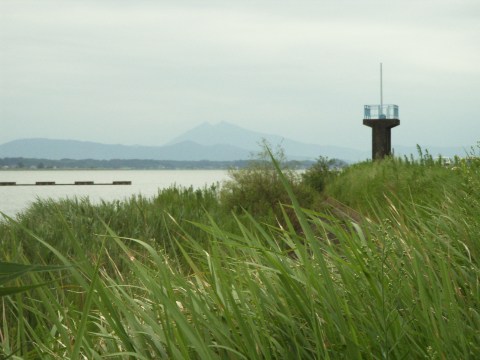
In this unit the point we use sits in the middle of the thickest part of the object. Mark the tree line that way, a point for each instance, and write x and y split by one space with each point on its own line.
32 163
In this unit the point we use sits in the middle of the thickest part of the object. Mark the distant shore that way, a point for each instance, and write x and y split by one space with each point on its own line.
15 164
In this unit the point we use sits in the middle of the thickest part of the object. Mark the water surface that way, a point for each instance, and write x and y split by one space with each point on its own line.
14 199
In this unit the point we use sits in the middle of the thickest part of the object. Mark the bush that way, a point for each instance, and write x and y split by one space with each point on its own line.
322 172
257 187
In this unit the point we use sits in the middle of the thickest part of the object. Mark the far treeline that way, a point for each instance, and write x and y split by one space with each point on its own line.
139 164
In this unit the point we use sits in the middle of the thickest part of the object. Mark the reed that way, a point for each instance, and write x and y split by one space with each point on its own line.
400 281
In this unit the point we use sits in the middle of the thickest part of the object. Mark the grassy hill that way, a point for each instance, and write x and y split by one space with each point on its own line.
381 261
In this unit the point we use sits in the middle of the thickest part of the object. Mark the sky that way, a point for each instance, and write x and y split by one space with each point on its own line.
143 72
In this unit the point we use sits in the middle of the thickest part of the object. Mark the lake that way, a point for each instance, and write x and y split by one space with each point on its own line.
14 199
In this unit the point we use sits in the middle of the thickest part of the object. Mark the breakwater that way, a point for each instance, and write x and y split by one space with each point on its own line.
53 183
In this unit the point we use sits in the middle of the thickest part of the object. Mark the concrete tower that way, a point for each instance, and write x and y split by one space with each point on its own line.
381 118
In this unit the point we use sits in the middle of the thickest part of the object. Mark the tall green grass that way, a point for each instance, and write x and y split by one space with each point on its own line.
399 282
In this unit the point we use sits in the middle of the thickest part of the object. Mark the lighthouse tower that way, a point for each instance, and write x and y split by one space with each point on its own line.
381 118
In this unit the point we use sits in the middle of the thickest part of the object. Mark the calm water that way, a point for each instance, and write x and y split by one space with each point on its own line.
14 199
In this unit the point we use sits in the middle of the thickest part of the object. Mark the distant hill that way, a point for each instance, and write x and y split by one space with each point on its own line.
72 149
214 142
219 142
226 133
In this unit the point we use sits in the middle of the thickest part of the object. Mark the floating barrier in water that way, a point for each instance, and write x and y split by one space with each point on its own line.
50 183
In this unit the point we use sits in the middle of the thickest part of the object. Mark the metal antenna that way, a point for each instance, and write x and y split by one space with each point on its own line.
381 87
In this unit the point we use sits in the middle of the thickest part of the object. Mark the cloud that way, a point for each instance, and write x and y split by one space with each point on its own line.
143 71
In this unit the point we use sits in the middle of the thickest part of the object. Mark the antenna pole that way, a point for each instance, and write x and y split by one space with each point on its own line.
381 87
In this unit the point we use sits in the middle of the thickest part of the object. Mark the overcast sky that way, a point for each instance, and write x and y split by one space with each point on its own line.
143 72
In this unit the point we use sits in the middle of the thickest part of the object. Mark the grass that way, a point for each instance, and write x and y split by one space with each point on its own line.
179 277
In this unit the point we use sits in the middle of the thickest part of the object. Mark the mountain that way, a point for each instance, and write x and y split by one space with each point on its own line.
215 142
72 149
225 133
219 142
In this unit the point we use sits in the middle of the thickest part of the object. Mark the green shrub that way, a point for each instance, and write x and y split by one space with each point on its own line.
258 190
321 173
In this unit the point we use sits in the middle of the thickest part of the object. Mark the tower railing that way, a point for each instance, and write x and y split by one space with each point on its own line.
387 111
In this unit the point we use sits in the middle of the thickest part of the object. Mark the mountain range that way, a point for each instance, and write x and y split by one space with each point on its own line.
214 142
